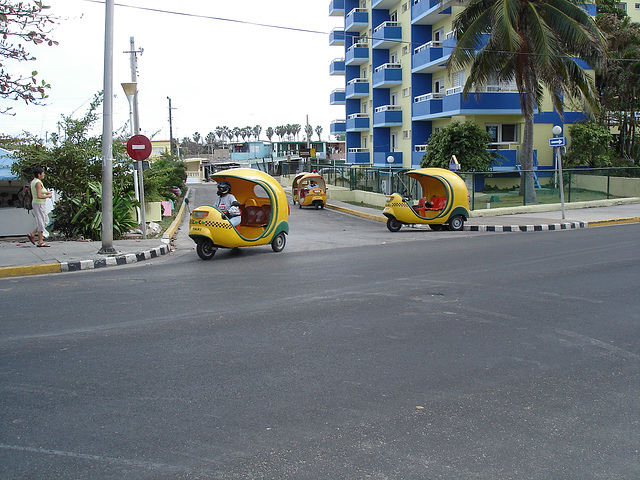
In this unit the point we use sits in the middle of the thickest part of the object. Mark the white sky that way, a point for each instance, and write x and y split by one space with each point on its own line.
217 73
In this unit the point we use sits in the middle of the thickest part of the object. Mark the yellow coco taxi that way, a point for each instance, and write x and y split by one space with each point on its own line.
444 202
264 215
309 189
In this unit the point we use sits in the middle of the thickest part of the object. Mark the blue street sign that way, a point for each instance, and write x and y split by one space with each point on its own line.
557 141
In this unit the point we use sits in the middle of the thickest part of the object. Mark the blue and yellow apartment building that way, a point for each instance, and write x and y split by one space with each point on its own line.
397 91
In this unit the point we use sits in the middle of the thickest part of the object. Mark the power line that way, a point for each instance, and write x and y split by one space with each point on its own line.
209 17
317 32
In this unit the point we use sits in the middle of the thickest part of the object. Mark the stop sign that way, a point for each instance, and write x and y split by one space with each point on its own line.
139 147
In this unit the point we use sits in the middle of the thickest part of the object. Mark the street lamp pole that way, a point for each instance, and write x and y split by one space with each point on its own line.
557 130
390 160
133 91
107 135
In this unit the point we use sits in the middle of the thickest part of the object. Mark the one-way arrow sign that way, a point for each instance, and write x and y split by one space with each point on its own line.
557 141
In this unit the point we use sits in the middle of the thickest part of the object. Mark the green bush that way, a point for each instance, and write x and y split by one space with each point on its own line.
81 214
590 146
467 141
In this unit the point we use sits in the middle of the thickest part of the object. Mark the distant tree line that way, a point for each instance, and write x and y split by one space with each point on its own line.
199 145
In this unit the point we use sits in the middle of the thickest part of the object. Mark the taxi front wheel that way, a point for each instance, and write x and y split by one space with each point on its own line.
206 249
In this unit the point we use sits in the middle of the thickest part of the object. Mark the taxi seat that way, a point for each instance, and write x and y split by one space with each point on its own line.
437 203
255 216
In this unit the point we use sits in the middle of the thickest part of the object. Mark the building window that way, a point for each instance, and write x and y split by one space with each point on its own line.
438 85
637 6
406 92
503 132
406 134
405 7
394 16
622 6
405 50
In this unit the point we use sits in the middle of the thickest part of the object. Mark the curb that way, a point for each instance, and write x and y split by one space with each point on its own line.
613 221
369 216
526 228
114 260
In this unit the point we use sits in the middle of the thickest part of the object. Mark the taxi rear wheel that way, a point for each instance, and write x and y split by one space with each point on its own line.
456 223
394 225
206 250
278 242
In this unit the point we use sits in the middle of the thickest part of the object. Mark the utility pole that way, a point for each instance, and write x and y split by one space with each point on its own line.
136 131
107 135
170 129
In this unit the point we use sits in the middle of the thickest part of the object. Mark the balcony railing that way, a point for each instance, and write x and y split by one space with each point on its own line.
428 96
387 65
386 108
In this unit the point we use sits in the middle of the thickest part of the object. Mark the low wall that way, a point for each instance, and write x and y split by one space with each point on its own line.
618 186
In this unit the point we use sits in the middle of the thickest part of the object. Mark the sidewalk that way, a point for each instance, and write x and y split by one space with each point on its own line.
19 257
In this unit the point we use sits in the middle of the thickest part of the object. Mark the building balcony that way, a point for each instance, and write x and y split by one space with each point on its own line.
388 116
356 21
337 67
358 122
427 105
491 100
383 4
337 97
357 54
336 37
380 159
417 154
358 156
336 8
357 88
387 75
432 56
429 12
386 35
338 127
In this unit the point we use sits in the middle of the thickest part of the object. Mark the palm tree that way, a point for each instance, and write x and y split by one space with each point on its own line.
235 132
295 129
318 132
270 133
220 133
256 132
308 130
280 131
533 42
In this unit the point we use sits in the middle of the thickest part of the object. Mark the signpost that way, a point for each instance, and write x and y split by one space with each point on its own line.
139 149
557 142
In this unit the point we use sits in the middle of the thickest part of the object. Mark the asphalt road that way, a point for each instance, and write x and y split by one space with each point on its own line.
424 356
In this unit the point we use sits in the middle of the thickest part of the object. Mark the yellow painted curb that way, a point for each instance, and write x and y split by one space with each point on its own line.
171 231
613 221
29 270
369 216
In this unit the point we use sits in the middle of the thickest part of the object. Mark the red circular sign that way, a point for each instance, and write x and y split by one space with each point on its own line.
139 147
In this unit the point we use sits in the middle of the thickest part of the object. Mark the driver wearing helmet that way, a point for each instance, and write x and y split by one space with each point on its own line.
228 204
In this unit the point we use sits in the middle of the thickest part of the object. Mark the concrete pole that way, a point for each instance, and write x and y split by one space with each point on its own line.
136 131
171 149
107 135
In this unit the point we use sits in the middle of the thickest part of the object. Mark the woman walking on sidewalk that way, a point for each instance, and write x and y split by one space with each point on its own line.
40 195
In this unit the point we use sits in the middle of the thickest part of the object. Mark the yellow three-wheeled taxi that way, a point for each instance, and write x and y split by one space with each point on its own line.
309 189
444 202
264 215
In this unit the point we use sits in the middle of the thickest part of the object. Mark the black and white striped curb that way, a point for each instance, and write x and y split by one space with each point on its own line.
526 228
123 259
